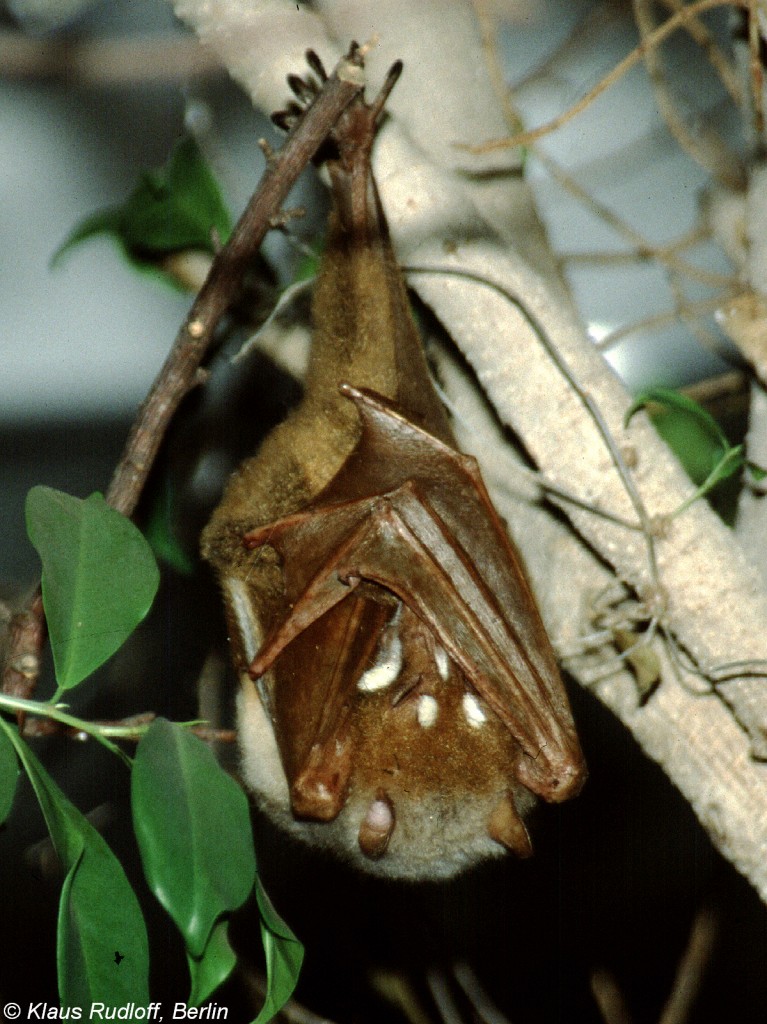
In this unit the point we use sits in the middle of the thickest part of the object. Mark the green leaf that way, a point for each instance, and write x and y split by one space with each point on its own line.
102 222
98 911
99 578
669 398
175 208
688 429
213 967
193 828
284 957
93 937
9 773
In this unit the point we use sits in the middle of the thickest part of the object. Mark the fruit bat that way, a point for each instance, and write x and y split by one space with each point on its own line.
400 702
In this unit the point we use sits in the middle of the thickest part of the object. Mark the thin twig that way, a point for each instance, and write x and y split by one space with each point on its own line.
716 56
665 254
129 729
703 307
676 21
757 71
630 656
712 676
482 1004
703 146
597 23
607 258
443 1000
488 29
724 387
58 712
548 487
703 334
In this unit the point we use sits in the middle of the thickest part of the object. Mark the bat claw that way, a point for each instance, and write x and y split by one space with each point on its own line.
307 88
315 63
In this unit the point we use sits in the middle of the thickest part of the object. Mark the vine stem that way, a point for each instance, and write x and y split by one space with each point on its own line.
101 733
678 20
132 728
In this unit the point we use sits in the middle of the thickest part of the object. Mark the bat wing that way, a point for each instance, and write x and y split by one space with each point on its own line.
435 542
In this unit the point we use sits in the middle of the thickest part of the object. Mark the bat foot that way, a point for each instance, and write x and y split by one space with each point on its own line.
306 88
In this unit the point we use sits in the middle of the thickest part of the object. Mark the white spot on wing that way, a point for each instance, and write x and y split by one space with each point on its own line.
442 662
387 666
427 712
385 670
475 716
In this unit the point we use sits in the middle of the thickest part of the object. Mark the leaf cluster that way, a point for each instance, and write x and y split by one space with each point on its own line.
191 819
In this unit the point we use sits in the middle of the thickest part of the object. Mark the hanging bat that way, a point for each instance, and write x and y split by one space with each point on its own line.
400 700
